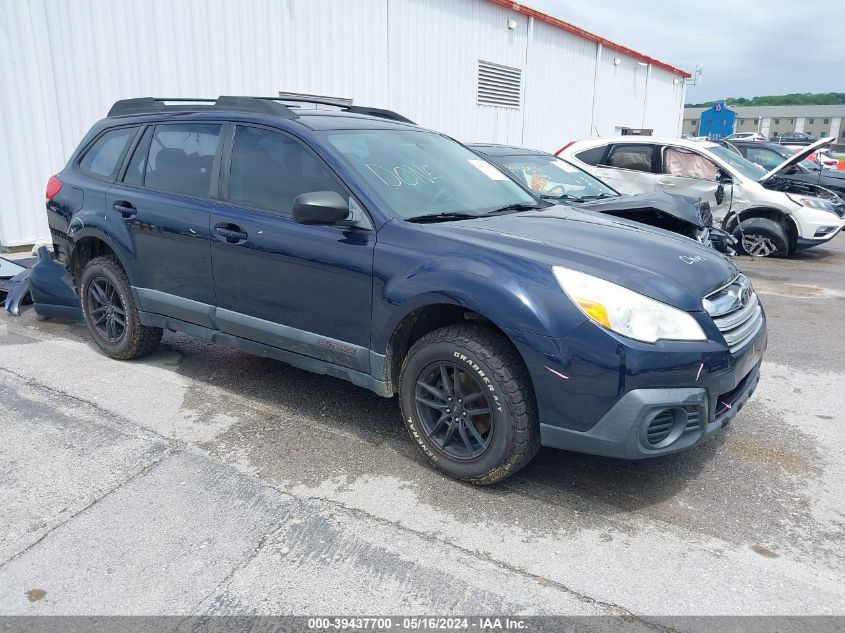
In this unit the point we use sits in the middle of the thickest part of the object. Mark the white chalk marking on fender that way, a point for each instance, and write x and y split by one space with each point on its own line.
556 373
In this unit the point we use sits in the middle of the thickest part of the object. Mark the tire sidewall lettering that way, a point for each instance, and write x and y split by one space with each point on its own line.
482 376
420 440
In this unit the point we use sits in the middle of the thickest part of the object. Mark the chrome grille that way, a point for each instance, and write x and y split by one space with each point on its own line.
736 311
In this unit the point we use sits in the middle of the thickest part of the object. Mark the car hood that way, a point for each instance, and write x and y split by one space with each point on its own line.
797 158
686 208
662 265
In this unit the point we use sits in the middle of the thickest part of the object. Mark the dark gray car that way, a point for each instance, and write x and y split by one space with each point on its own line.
770 155
794 138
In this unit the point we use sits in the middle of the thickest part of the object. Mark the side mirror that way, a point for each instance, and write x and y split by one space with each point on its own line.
724 179
320 207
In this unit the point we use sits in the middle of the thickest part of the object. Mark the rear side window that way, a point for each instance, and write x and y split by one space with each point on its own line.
591 156
181 158
104 157
138 163
269 170
636 157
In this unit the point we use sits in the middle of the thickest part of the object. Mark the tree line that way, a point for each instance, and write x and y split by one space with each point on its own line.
796 98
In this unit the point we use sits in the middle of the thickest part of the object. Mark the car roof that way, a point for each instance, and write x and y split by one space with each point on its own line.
495 149
339 120
742 143
644 140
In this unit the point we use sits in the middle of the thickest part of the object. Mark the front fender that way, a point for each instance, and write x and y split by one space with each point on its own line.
511 298
729 222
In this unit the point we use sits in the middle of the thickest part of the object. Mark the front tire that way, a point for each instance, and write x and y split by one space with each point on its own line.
110 313
762 237
468 403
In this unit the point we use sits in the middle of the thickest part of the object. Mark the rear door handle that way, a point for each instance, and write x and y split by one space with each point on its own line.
126 209
231 232
665 183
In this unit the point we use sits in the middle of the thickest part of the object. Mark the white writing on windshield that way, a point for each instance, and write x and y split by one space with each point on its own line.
410 174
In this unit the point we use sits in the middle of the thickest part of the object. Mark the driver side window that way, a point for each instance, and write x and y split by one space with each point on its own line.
269 170
688 164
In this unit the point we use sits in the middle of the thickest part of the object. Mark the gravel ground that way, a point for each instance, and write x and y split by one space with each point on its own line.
201 480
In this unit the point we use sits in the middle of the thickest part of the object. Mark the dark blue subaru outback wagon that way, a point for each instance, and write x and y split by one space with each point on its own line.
353 243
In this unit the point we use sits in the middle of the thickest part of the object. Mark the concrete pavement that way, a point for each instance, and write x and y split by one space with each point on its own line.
201 480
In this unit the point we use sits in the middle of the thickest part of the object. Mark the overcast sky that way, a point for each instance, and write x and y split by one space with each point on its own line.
747 47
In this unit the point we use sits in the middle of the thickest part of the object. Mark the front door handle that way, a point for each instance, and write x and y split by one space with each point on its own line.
231 232
126 209
665 183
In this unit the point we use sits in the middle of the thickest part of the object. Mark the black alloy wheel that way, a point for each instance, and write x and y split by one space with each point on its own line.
108 314
454 411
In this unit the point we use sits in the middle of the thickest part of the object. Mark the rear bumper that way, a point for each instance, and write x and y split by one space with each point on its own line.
623 431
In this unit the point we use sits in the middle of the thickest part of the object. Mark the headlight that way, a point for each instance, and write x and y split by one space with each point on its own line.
627 312
810 201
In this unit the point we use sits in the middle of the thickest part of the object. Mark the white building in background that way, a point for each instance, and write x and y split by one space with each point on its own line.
478 70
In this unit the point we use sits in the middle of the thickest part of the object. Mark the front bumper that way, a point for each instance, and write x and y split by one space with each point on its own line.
623 431
599 393
810 221
805 242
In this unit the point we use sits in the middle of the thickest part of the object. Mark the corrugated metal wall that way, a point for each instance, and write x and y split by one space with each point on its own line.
62 64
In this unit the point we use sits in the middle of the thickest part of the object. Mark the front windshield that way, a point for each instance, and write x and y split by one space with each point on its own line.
742 165
554 179
769 158
418 173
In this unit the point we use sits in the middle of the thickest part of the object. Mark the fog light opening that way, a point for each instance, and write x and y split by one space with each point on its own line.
665 427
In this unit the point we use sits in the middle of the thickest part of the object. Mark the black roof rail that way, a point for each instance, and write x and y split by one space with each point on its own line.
379 112
154 105
343 104
340 102
258 105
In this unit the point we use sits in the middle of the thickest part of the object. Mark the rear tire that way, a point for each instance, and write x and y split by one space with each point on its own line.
110 312
762 238
459 372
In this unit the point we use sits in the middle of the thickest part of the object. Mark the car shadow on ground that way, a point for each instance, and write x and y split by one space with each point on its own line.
341 406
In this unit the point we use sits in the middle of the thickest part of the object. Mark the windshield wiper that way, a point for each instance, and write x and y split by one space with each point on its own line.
563 196
445 216
517 206
600 196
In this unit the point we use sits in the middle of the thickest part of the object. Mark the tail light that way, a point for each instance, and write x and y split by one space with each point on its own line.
54 186
557 153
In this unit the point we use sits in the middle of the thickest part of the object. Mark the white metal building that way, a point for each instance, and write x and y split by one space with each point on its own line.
479 70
